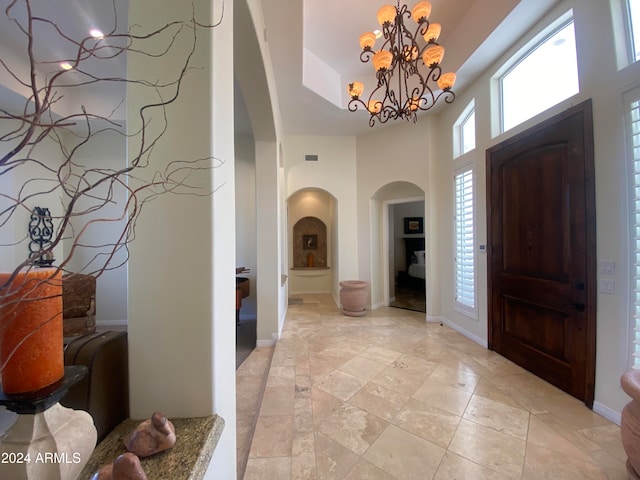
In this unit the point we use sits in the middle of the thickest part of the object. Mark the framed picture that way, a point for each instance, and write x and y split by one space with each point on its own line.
413 225
309 242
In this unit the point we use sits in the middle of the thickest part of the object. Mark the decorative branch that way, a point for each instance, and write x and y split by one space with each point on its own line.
85 193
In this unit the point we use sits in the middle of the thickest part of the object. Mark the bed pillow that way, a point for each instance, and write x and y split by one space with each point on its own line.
420 256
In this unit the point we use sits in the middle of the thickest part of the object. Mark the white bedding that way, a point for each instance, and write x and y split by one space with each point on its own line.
416 270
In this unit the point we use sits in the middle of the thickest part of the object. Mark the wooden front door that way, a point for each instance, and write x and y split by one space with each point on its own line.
541 251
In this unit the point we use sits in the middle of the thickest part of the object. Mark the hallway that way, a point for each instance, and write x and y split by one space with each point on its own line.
387 397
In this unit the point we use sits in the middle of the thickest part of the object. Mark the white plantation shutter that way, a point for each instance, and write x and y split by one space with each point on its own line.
634 227
464 240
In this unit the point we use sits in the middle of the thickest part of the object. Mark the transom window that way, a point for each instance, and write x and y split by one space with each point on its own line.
543 76
633 19
464 131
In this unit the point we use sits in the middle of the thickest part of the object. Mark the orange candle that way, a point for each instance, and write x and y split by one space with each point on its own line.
31 343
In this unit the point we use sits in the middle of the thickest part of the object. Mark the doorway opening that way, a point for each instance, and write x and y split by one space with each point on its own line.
407 259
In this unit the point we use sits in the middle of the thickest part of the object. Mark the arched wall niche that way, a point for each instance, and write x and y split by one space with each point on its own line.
312 228
309 243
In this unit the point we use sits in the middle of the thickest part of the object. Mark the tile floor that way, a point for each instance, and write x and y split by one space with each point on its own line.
389 397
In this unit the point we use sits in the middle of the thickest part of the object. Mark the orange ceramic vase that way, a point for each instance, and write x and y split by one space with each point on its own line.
31 342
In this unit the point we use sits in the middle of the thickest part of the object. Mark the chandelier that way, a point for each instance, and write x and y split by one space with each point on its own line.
407 66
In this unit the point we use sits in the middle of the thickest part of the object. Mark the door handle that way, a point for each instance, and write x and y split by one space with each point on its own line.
579 307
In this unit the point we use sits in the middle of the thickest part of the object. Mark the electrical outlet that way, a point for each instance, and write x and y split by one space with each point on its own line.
607 285
608 267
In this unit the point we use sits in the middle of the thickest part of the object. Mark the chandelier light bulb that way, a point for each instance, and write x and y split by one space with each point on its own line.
382 60
447 81
355 89
433 33
433 56
387 14
421 11
367 40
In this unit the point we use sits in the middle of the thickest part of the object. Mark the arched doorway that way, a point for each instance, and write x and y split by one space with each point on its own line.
399 246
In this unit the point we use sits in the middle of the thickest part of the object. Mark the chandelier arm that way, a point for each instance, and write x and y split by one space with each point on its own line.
366 55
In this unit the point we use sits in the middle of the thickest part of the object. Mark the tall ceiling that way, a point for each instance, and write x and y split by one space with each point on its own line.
313 48
315 42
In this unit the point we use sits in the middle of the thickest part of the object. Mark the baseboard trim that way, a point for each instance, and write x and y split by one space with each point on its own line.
607 413
470 335
268 343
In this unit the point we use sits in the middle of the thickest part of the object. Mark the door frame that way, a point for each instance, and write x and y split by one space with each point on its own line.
583 109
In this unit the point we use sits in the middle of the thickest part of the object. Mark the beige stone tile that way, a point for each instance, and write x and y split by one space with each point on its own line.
456 467
615 468
352 427
257 363
281 376
381 355
277 401
542 463
303 456
364 470
528 384
379 400
272 437
405 375
572 411
323 404
444 397
428 422
333 461
489 448
608 438
341 385
489 390
272 468
404 455
303 415
362 367
572 435
461 378
543 435
498 416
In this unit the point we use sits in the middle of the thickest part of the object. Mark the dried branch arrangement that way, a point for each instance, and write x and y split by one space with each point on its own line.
46 139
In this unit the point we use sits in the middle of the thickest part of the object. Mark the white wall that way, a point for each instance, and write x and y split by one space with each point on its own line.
106 149
14 238
392 164
334 172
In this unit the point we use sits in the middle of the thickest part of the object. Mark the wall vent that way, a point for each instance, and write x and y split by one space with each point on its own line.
311 158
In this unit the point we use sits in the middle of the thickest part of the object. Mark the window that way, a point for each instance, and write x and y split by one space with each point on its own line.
545 75
633 136
464 131
464 241
633 22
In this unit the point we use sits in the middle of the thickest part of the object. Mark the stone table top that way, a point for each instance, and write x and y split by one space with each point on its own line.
196 439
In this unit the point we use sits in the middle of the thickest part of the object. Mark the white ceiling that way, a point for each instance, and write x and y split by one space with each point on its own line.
326 30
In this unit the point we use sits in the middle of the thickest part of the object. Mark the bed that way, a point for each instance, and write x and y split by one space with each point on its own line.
414 275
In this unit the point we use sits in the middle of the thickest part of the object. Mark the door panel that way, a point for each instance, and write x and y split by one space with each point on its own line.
541 235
